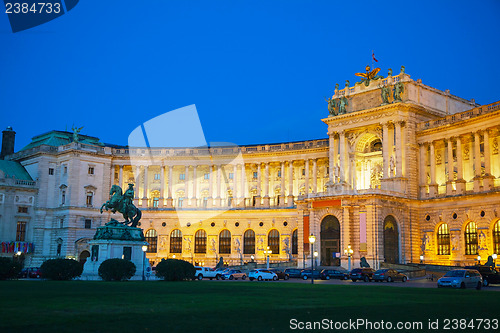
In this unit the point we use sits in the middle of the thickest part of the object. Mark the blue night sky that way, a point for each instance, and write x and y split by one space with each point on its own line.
256 70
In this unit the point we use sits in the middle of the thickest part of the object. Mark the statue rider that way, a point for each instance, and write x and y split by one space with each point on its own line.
128 198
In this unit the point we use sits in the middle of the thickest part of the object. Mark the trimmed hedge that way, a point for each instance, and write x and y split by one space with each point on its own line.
61 269
116 270
175 270
9 269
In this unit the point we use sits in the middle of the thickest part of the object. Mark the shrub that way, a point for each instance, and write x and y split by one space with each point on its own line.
61 269
175 270
116 270
9 269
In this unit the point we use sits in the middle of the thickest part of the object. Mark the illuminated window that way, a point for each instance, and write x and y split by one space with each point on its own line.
152 238
249 242
200 241
295 242
182 176
471 238
91 170
21 232
176 241
225 242
443 239
273 241
496 238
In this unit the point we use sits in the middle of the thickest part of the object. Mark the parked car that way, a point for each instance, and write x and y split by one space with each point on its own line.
234 274
293 272
205 272
30 272
365 274
220 271
461 278
307 273
328 274
281 274
262 274
389 275
489 274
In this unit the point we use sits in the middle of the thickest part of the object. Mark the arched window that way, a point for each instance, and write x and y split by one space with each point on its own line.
152 238
496 238
225 242
200 241
273 241
443 239
249 242
471 238
176 241
295 242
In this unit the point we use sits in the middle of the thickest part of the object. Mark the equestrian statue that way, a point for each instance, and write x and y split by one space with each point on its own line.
123 203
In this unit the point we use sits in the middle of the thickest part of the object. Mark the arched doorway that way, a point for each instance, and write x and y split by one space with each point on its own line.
330 241
391 240
83 256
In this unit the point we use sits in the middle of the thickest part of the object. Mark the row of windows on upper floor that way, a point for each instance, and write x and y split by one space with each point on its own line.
90 170
200 241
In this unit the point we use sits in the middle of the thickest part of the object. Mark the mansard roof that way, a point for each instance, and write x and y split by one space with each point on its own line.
60 138
12 169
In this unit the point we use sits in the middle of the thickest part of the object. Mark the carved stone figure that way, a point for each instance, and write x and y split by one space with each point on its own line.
399 89
385 93
123 204
490 262
347 83
332 106
483 245
454 243
187 239
389 72
363 262
220 264
392 165
402 69
369 75
343 102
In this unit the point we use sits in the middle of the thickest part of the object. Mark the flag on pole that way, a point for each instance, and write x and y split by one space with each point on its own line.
373 57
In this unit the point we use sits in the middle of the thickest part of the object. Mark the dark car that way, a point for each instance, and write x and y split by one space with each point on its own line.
389 275
365 274
281 275
307 273
30 272
293 272
489 274
328 274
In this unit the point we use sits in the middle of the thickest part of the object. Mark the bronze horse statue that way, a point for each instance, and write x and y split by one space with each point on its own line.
123 203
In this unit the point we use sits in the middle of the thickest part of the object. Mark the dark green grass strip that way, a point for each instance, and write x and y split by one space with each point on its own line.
77 306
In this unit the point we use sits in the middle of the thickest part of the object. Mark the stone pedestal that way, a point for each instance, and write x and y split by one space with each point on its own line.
433 190
488 182
266 202
289 200
460 183
115 240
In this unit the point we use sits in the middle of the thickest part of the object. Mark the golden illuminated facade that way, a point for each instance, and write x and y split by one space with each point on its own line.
403 174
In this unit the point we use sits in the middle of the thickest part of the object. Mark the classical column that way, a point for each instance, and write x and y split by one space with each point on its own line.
399 149
290 184
306 177
315 176
258 182
210 186
162 186
488 180
282 186
170 187
145 191
120 176
243 187
477 154
235 183
218 189
186 185
137 183
449 183
433 187
194 197
423 163
331 157
266 185
385 149
460 176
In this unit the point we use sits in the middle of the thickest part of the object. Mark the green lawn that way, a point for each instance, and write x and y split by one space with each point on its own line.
78 306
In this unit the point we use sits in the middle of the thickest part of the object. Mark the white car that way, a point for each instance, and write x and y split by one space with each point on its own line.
205 272
262 274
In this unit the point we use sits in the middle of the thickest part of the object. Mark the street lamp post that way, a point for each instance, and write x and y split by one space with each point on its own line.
479 260
268 252
312 239
144 249
349 253
421 259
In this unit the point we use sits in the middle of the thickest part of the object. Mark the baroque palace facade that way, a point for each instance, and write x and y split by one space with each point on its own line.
406 171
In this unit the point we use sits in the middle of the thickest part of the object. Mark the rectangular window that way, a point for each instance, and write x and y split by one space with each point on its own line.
127 253
231 175
22 209
91 170
182 176
61 223
255 175
205 202
90 197
157 176
51 171
279 173
88 224
206 176
303 172
21 232
180 202
63 197
229 201
65 169
156 202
